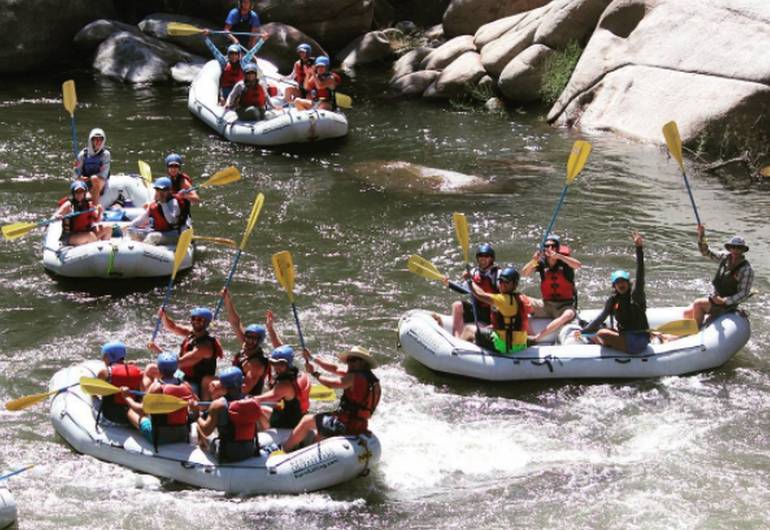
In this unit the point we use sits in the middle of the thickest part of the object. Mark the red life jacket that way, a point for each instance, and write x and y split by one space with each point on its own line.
486 280
242 416
323 92
359 402
253 97
231 74
159 221
81 223
182 391
204 367
178 184
122 374
299 71
302 386
554 283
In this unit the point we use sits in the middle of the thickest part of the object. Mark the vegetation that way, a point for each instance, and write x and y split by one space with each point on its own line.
557 71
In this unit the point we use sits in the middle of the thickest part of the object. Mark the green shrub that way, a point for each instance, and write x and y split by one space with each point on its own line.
557 71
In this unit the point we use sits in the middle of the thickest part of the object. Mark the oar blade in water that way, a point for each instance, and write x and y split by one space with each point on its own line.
424 268
27 401
577 159
225 242
16 230
343 100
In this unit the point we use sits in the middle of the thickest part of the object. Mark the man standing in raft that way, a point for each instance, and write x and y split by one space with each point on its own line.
243 19
731 283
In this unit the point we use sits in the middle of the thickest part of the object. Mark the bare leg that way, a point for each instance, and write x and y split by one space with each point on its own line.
205 392
97 185
700 309
305 425
203 442
556 324
612 339
458 323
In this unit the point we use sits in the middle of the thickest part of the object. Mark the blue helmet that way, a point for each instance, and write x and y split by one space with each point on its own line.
509 274
163 183
485 249
78 185
553 237
304 47
251 67
255 329
173 158
322 61
114 351
620 274
283 353
203 312
233 48
167 363
231 377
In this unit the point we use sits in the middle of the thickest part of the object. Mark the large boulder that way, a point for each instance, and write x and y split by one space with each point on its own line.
520 81
464 17
409 62
569 20
652 61
373 47
156 25
40 32
464 73
448 52
413 84
93 34
139 58
280 48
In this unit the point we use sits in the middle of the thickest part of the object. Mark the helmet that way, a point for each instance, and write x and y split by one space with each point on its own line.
322 60
553 237
304 47
78 185
114 351
620 274
485 249
251 67
737 241
163 183
231 377
95 133
173 158
509 274
234 48
167 363
283 353
203 312
255 329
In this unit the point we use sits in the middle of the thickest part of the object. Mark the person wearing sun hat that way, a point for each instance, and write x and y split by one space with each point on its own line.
731 283
360 396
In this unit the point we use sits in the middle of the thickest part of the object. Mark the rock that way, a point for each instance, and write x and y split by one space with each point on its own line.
448 52
40 32
434 33
409 62
133 58
464 72
155 25
281 46
569 20
186 72
93 34
413 84
494 30
520 81
499 52
372 47
486 83
651 61
398 175
407 27
464 17
494 105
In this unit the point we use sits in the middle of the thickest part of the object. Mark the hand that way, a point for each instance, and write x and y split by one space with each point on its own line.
637 238
206 32
269 319
717 300
701 231
153 347
536 255
549 252
445 281
306 354
265 35
225 293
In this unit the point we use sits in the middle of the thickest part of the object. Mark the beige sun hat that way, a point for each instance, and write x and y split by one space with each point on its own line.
361 353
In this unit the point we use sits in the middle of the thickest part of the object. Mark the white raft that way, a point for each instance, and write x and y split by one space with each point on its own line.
435 347
321 465
120 257
291 126
7 506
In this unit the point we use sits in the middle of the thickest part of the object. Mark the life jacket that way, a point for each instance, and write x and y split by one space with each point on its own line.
92 164
204 367
172 427
486 280
299 70
178 183
80 223
557 283
317 92
725 280
238 430
293 409
242 358
359 401
231 74
159 221
114 407
511 316
628 314
253 96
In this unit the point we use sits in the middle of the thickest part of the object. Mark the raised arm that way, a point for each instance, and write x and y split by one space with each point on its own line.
232 316
220 58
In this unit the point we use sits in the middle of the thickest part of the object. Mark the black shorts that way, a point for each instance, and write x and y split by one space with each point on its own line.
329 425
482 311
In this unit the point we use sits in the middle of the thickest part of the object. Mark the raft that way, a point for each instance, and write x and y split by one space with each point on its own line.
7 506
320 465
434 346
120 257
280 128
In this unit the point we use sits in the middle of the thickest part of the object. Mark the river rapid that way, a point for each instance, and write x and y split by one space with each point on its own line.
676 452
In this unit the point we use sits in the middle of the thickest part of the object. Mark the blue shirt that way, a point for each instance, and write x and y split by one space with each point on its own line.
234 18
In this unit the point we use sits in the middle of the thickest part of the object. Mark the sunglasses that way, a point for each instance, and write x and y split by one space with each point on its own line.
731 247
549 245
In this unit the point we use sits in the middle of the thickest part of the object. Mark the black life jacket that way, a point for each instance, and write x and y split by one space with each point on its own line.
628 314
289 416
204 367
725 280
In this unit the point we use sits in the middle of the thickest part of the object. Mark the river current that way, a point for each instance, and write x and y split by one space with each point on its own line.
676 452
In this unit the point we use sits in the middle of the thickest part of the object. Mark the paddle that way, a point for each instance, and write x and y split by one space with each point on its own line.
179 254
461 230
180 29
17 471
680 328
225 242
27 401
283 265
255 209
99 387
422 267
577 159
70 102
674 143
145 172
17 230
220 178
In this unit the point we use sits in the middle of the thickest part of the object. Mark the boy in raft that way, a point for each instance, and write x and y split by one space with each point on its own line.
557 285
167 215
93 163
180 181
118 372
510 315
81 229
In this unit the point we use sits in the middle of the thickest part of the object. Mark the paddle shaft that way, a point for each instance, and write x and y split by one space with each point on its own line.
16 472
692 199
553 217
166 298
227 282
473 298
299 328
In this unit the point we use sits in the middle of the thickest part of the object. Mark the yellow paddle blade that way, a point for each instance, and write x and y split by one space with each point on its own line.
225 176
424 268
69 96
97 387
765 171
577 159
283 266
343 100
322 393
16 230
181 250
27 401
680 328
258 202
217 240
145 172
179 29
162 404
461 229
674 142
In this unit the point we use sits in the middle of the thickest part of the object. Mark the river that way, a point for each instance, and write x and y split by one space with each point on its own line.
676 452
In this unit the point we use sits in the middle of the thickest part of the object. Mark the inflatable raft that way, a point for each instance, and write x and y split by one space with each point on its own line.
120 257
320 465
435 347
290 126
7 506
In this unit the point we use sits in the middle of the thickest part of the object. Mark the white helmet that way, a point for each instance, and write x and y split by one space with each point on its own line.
97 132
